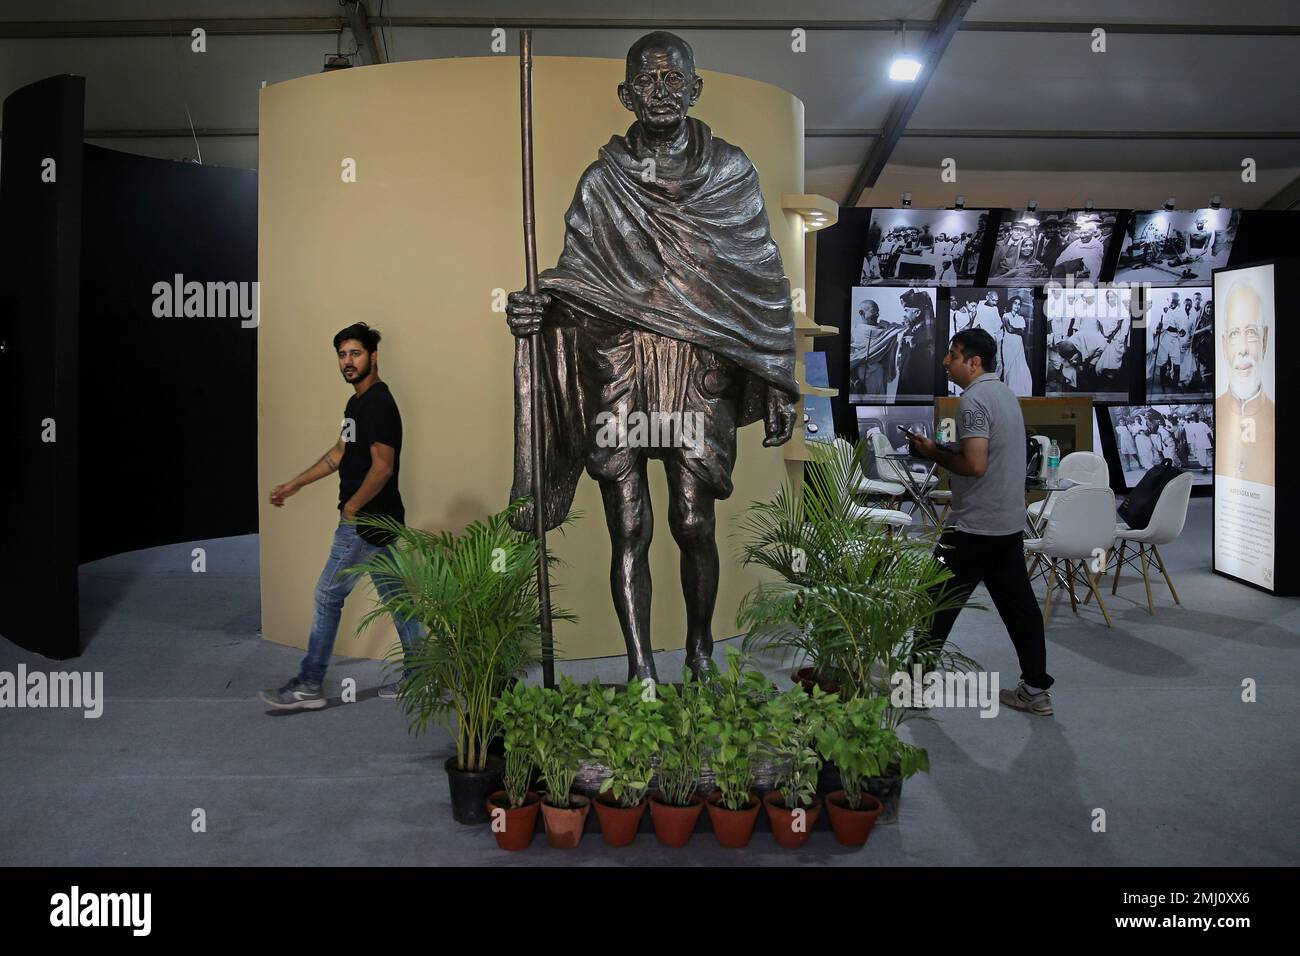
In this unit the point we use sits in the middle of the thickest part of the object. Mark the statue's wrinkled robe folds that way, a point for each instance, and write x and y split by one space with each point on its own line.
685 254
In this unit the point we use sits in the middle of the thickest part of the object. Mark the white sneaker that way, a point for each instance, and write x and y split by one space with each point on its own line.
1021 699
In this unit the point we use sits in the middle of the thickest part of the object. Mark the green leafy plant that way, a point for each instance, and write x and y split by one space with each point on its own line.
737 727
562 734
517 716
476 596
627 731
858 739
686 713
852 599
795 719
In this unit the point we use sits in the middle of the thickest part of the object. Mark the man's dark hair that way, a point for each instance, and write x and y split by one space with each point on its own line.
975 342
368 337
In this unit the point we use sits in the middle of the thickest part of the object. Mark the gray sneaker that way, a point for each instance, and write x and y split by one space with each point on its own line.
391 691
295 695
1021 699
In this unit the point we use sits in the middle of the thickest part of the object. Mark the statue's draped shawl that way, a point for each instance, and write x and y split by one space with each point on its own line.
686 253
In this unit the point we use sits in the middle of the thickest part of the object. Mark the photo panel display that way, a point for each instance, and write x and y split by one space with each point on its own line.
1180 345
1009 316
1176 247
891 344
1147 434
1245 411
887 419
1087 340
923 247
1036 246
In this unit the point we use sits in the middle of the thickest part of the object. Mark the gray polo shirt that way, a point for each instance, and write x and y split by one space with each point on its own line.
994 503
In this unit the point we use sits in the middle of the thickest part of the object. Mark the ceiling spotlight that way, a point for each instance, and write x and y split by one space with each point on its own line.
1089 205
907 199
1216 201
1170 203
1033 204
904 68
960 203
336 61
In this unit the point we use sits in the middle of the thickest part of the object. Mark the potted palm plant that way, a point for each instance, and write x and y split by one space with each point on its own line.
738 736
561 742
675 809
476 596
514 809
795 719
627 729
850 597
858 738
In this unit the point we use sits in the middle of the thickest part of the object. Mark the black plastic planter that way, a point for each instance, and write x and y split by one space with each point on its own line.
470 790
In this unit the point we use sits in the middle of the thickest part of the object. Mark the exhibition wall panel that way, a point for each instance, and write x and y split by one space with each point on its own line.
168 395
40 247
420 246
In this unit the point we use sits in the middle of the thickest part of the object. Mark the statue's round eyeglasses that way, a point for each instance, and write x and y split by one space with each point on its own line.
673 80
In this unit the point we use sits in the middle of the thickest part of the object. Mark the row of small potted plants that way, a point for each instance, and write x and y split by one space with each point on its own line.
656 741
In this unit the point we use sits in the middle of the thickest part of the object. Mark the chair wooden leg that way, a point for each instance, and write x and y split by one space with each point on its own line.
1051 581
1101 574
1119 566
1093 589
1069 586
1160 561
1034 567
1146 579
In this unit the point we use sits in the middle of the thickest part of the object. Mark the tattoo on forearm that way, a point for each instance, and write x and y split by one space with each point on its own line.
328 459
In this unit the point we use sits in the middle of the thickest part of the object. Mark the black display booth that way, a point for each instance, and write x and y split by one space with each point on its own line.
842 247
153 419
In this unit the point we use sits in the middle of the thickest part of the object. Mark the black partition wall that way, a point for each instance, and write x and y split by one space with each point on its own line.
40 232
121 305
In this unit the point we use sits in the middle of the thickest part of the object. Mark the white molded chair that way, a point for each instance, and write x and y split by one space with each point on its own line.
1077 535
879 487
1165 525
889 517
1085 467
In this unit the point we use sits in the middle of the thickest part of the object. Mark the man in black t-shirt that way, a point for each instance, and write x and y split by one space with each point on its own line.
368 459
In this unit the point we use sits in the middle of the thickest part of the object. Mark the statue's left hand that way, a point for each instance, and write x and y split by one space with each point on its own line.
779 420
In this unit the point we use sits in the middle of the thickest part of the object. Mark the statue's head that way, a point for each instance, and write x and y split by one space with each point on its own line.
660 83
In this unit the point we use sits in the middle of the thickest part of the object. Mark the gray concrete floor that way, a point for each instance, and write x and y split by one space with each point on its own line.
1149 727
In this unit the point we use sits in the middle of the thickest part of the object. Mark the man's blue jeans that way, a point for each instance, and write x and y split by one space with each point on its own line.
332 589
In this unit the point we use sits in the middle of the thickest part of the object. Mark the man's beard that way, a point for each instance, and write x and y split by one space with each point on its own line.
1248 390
360 372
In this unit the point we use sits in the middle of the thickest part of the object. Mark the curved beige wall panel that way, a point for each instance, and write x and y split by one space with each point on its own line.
416 247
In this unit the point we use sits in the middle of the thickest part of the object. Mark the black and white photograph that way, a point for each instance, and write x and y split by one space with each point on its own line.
1036 245
1180 345
887 419
923 247
892 345
1176 247
1147 434
1010 317
1087 341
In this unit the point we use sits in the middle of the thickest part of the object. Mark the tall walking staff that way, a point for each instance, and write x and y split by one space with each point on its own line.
535 354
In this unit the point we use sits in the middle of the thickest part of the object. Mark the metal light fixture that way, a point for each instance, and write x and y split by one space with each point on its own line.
904 68
960 203
907 199
1216 201
1170 203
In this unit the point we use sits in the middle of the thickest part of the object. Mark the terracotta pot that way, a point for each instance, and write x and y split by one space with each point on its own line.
733 828
806 677
618 824
674 825
564 827
852 827
513 826
783 820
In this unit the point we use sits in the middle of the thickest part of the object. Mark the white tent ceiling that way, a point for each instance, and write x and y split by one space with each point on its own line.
1018 88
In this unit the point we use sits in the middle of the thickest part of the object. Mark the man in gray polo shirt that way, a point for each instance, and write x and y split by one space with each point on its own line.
984 542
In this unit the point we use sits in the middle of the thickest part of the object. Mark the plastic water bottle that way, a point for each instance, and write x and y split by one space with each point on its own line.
1053 460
